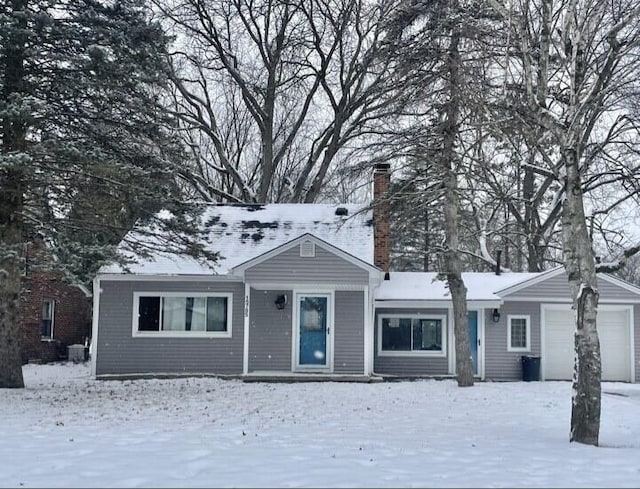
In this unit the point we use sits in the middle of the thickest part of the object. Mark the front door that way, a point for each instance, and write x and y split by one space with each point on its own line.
314 328
473 339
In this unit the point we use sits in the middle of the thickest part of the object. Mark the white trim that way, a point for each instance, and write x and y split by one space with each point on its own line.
245 313
527 318
53 318
530 281
452 341
481 340
432 304
180 334
567 300
120 277
305 237
367 337
330 344
504 293
632 352
413 353
288 285
94 324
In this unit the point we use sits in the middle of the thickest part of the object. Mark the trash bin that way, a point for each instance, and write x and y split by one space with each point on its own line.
530 368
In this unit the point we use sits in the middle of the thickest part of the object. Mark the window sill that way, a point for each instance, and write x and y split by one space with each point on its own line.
155 334
418 354
47 340
519 350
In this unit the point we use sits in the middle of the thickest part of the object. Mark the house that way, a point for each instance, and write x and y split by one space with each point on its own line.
305 290
54 314
511 315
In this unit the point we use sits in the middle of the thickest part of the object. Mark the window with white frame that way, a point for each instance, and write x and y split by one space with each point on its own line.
518 333
46 323
412 335
182 314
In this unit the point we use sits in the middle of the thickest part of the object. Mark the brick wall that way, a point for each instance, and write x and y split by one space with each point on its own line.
71 320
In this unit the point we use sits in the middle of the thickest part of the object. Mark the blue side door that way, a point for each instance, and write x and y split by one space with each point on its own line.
473 338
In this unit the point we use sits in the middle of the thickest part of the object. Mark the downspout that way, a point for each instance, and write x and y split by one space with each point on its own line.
245 347
374 283
93 350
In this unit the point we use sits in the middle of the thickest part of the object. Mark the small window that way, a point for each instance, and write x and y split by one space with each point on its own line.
412 335
183 315
46 324
518 334
307 249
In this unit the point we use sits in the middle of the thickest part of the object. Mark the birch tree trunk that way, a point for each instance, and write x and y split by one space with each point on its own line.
580 265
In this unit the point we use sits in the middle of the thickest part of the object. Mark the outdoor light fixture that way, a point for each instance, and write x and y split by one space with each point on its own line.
281 300
495 315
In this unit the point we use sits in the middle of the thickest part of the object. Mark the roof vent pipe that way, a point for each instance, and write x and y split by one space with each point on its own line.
498 253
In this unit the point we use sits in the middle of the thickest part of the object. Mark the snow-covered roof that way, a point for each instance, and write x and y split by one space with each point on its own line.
242 232
422 286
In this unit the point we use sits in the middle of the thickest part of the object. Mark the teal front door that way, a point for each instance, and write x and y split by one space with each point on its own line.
473 338
313 331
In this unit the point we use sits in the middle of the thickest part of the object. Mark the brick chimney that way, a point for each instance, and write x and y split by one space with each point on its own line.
381 238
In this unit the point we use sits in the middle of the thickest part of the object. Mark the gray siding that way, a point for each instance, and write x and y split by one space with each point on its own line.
558 287
119 353
349 333
291 268
410 366
499 363
270 331
270 342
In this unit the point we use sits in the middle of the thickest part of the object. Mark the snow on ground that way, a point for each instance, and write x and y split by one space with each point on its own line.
68 430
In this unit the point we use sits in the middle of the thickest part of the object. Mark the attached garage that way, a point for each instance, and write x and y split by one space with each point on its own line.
616 340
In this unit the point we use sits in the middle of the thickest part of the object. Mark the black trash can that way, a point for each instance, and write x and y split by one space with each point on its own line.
530 368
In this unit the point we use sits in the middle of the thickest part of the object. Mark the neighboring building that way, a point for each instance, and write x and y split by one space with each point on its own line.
54 314
305 290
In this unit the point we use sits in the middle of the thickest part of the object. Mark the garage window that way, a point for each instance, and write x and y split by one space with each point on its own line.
519 333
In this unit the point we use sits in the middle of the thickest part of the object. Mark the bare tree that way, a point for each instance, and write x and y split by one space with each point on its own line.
574 59
271 92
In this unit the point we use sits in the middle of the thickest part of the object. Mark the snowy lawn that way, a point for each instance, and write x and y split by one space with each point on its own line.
67 430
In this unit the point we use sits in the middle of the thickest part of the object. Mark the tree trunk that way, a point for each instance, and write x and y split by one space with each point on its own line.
10 259
581 270
11 203
453 264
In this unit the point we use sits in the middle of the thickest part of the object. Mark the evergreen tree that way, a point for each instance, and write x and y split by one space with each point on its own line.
85 147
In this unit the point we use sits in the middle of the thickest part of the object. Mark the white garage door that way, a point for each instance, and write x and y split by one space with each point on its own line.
613 331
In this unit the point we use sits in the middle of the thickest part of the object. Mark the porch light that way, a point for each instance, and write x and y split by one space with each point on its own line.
280 301
495 315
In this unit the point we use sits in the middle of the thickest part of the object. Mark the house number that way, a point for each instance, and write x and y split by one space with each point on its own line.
246 306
